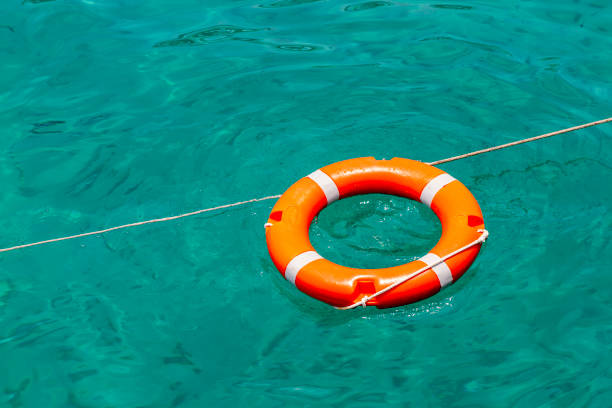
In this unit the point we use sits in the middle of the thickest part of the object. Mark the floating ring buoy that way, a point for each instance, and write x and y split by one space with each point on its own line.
341 286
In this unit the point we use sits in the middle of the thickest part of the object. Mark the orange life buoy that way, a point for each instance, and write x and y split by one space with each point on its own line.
292 253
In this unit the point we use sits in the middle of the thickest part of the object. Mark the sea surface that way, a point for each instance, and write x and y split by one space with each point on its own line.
115 111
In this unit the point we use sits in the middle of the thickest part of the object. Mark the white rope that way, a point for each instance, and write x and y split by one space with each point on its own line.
483 237
518 142
135 224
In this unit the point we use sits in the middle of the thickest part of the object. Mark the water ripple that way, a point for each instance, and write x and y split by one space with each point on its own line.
367 5
49 126
287 3
452 6
298 47
207 36
374 228
232 33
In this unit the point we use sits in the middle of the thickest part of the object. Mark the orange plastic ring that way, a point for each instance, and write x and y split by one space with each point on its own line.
296 259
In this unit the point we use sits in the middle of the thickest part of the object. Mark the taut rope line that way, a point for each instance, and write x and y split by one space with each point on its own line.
135 224
253 200
484 234
518 142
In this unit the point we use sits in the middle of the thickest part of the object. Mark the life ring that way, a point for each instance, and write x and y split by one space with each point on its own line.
341 286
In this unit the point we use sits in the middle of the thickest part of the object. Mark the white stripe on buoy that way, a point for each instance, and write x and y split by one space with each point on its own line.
435 185
327 185
442 270
297 263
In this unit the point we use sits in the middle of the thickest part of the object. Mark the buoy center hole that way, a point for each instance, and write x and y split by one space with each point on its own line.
374 231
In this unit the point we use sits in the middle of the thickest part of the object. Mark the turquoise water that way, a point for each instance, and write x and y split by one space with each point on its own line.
115 111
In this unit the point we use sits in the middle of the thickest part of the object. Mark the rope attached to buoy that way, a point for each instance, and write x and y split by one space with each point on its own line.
253 200
136 224
518 142
483 237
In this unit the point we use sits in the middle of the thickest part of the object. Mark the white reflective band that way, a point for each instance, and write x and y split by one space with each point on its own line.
442 270
298 263
435 185
327 185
